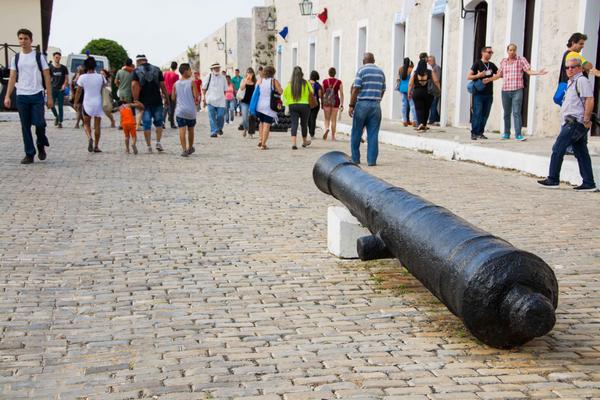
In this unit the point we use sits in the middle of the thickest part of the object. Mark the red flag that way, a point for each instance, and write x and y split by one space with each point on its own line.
323 16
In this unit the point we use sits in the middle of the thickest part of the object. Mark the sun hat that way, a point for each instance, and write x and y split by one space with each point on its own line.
215 65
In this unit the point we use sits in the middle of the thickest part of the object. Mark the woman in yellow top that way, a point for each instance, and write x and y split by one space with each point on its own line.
296 96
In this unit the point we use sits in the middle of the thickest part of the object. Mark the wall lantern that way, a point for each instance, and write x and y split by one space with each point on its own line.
306 7
270 23
220 44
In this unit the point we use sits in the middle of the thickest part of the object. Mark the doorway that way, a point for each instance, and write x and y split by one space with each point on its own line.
279 62
527 51
596 126
312 54
294 57
337 47
361 48
398 52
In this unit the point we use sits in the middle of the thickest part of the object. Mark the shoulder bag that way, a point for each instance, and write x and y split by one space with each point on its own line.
276 102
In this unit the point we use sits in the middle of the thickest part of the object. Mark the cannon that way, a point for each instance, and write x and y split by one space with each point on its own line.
504 296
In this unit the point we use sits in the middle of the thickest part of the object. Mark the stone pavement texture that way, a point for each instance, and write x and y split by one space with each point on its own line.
159 277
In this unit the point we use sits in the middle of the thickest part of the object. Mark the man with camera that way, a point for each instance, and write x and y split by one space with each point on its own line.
576 114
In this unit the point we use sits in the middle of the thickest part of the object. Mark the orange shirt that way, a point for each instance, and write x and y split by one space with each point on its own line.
127 117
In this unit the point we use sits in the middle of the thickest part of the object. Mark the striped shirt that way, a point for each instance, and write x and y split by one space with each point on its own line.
370 79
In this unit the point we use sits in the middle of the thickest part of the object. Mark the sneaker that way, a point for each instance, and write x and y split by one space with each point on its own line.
56 122
91 145
547 183
214 135
159 147
221 132
149 149
306 144
241 127
294 147
506 136
191 150
27 160
474 137
184 153
520 138
60 125
586 188
41 152
134 147
482 136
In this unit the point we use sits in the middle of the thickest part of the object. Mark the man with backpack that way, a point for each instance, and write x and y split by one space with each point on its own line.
147 84
576 115
29 73
215 86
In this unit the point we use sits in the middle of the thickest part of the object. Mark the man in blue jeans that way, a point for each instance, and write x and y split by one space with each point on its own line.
215 85
576 114
29 74
482 70
365 109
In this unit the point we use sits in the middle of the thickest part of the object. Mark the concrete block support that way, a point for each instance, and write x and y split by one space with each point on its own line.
342 232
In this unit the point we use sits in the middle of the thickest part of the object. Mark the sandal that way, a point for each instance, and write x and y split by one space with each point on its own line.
264 148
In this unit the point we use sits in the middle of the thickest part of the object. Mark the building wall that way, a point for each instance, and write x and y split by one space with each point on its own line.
551 31
17 14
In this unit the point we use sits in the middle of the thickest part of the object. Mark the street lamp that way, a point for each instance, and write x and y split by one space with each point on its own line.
220 44
306 7
270 22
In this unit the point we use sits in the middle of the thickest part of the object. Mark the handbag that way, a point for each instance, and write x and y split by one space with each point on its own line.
312 99
559 95
241 94
432 88
475 86
403 85
276 103
254 100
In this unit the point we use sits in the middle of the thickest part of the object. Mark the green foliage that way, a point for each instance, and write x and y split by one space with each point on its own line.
112 50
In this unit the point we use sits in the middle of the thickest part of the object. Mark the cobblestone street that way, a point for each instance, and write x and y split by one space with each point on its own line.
161 277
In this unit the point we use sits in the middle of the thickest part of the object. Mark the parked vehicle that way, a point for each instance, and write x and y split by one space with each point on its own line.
75 60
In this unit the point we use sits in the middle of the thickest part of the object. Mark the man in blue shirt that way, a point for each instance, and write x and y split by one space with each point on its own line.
365 109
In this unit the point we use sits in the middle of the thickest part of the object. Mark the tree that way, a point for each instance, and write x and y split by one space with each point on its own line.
193 57
112 50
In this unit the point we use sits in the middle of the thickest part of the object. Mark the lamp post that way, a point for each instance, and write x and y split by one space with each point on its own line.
306 7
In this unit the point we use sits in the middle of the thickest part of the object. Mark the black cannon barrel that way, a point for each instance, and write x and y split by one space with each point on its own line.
505 296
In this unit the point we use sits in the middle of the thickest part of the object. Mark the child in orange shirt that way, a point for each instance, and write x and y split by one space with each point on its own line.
128 123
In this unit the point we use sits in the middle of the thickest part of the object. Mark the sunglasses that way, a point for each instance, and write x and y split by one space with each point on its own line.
573 67
490 52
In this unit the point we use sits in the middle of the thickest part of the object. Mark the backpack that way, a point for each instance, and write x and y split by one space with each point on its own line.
147 74
38 59
329 97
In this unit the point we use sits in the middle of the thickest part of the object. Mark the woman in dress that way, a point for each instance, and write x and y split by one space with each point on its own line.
92 83
318 95
333 102
418 91
248 84
266 116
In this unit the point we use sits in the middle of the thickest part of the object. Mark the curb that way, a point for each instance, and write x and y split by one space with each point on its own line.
449 150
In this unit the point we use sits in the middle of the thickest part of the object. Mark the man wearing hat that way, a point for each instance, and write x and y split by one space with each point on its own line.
147 85
215 85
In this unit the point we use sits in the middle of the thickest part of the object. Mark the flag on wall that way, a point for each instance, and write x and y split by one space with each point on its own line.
323 16
284 32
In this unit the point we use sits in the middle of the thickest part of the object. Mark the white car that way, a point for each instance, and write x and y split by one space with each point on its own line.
75 60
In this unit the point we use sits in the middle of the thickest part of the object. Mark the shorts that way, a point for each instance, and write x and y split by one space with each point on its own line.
129 131
265 118
153 113
184 122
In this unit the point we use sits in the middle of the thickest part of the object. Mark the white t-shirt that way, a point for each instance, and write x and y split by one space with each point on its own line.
215 95
31 80
92 85
264 101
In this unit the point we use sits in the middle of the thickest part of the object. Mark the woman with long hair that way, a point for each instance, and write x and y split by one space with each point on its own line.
419 90
408 106
333 102
266 116
296 96
92 83
248 84
314 111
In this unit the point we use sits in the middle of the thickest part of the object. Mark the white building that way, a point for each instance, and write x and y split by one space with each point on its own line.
394 29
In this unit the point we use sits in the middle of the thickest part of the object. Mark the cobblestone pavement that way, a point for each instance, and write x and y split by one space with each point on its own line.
154 276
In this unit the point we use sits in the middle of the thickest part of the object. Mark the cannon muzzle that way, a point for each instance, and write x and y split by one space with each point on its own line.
505 296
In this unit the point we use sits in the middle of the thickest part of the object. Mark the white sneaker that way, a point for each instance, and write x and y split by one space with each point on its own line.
149 149
159 147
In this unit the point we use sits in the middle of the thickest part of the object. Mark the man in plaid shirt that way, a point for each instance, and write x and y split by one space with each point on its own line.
512 69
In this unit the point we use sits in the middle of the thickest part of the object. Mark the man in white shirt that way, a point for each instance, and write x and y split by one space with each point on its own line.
29 73
213 90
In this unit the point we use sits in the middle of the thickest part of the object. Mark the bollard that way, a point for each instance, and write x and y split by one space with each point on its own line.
504 296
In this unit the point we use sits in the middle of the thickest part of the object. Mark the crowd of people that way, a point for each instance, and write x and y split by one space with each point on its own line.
148 97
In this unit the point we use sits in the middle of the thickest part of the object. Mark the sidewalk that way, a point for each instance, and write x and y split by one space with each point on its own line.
531 156
13 116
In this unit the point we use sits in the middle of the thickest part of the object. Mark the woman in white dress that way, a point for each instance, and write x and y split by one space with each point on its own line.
91 83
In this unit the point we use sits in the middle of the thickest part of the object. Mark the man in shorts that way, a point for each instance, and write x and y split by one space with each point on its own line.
148 87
